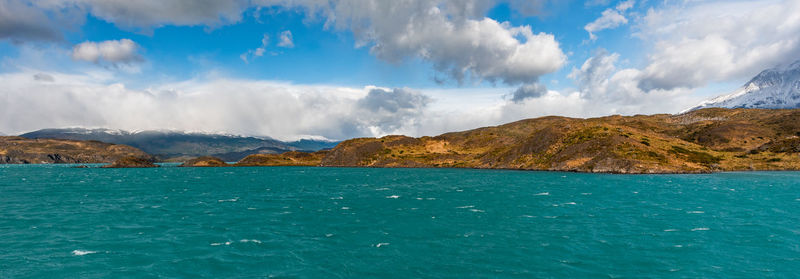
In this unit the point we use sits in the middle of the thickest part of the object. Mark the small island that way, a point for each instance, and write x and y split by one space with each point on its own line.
132 162
204 161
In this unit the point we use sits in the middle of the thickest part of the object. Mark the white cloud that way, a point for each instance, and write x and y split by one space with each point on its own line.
286 39
452 35
625 5
290 111
714 41
592 77
258 52
610 19
115 52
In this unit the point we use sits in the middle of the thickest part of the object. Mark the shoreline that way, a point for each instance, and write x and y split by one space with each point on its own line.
177 165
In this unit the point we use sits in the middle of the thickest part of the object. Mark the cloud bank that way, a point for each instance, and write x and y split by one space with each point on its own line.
32 100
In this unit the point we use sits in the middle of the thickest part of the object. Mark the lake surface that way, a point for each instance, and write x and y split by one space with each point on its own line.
298 222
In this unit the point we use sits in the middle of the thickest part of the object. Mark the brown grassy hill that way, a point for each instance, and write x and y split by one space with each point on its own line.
205 161
700 141
291 158
18 150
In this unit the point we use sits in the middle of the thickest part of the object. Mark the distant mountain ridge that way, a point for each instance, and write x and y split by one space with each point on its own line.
177 146
776 88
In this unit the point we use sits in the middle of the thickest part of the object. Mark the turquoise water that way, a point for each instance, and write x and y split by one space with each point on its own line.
296 222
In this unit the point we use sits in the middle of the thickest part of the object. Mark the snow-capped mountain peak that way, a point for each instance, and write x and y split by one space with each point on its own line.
776 88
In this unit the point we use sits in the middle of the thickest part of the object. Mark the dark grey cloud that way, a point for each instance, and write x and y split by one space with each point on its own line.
19 21
533 90
43 77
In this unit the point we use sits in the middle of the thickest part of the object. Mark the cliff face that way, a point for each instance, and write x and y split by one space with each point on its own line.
18 150
699 141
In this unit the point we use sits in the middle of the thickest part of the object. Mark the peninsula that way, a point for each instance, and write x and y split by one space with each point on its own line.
699 141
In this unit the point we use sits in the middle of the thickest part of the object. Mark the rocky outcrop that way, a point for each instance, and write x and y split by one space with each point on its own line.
204 161
132 162
18 150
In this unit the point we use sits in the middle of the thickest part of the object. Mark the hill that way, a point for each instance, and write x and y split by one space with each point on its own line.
180 146
699 141
18 150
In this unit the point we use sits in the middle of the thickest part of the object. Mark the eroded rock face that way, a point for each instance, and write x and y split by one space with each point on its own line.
205 161
132 162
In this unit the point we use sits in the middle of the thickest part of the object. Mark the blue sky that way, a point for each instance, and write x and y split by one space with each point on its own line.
370 67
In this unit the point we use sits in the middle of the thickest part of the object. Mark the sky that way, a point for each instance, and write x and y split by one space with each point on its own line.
338 69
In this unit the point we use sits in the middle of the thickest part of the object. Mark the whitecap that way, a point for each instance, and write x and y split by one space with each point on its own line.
700 229
695 212
337 198
586 194
466 206
392 197
476 210
671 230
82 252
381 189
543 194
221 243
381 244
571 203
345 208
229 200
250 240
328 234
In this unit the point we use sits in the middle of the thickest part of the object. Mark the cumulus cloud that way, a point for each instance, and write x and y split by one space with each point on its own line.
452 35
610 19
696 43
286 39
115 52
592 77
258 52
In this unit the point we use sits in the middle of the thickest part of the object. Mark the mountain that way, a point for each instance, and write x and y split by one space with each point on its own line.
703 140
180 146
776 88
18 150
